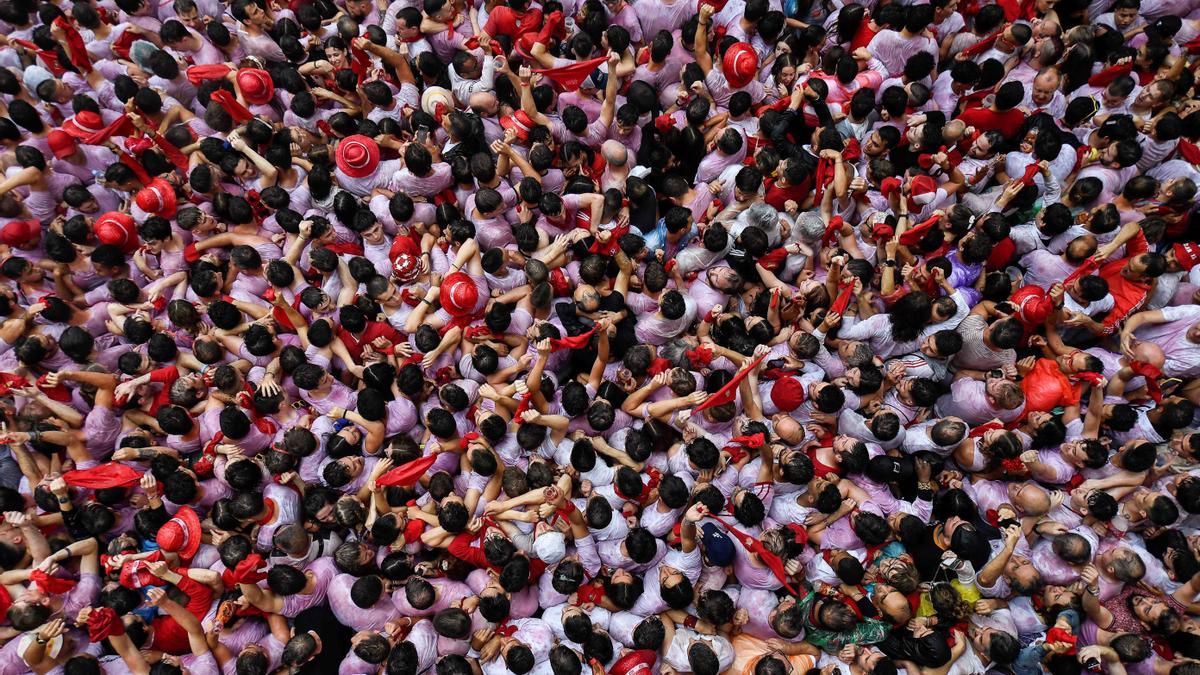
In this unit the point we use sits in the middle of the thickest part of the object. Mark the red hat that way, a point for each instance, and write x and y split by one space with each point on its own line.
406 268
157 198
256 85
19 232
459 294
881 231
922 189
61 143
181 534
520 122
634 663
86 123
357 156
787 394
1188 255
1033 304
136 574
118 229
740 65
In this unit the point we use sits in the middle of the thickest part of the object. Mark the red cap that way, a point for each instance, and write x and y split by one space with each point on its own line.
118 229
406 268
740 65
136 574
922 189
459 294
787 394
1032 303
181 534
61 143
638 662
157 198
84 124
519 122
1188 255
256 85
357 156
881 231
19 232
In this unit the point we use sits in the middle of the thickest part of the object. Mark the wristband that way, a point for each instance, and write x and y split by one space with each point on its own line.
690 622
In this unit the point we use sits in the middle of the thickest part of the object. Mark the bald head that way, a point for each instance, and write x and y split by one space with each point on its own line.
614 152
1045 85
483 103
1149 352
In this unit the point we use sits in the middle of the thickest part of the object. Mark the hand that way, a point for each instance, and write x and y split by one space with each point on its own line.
984 607
16 518
155 596
58 487
1089 575
158 568
1012 534
51 630
149 485
696 512
697 397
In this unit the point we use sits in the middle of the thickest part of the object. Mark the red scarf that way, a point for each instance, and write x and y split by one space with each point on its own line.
1083 270
728 393
984 44
574 342
755 546
569 77
76 51
406 474
845 294
50 585
1152 375
237 112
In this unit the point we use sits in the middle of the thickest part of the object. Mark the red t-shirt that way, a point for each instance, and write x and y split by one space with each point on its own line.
374 329
504 21
1008 122
169 636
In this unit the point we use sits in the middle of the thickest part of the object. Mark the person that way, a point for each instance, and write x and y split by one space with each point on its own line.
614 337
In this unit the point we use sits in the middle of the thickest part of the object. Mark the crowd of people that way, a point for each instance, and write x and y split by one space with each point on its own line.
606 337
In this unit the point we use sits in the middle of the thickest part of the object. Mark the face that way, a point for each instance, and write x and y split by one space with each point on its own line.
1124 17
980 638
1111 101
191 19
1148 97
1057 595
1148 610
724 279
472 69
358 9
374 234
1135 269
787 76
875 145
915 134
981 148
1044 88
941 14
245 170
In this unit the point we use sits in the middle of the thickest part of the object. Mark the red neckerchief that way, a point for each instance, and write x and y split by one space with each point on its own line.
700 356
658 365
1152 374
591 593
269 505
755 546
